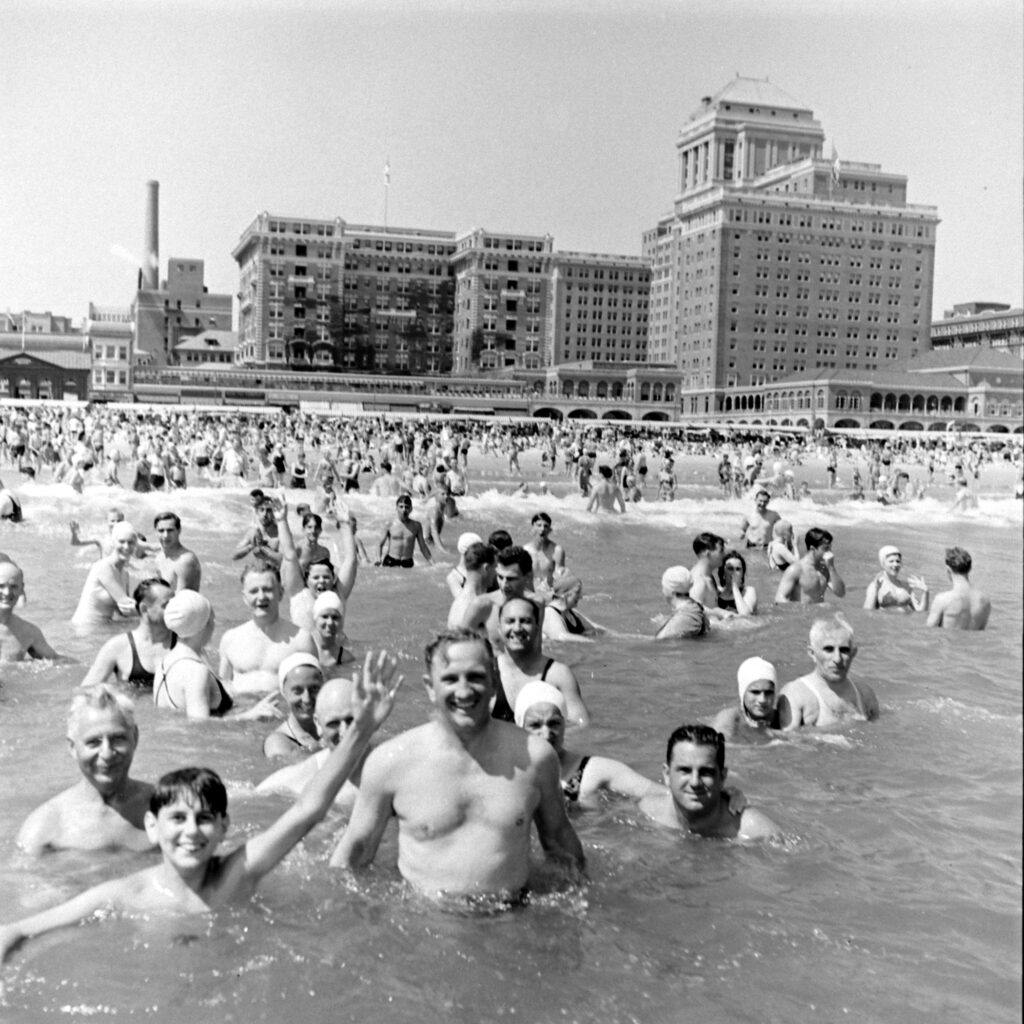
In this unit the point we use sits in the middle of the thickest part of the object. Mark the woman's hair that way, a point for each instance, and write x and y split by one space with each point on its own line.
734 556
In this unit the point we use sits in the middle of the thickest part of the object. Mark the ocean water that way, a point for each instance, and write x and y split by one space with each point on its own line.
894 895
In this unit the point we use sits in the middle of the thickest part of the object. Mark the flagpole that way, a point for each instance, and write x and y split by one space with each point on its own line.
387 186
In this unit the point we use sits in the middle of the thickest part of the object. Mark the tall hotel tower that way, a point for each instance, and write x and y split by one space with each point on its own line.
778 260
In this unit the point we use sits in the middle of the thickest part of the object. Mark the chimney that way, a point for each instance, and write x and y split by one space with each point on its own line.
151 244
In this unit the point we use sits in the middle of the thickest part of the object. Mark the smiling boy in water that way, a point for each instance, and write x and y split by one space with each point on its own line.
188 818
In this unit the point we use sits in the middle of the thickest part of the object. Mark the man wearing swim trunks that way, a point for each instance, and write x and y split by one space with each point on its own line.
464 788
401 537
827 696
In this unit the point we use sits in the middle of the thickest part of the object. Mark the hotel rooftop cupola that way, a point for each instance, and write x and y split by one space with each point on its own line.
749 128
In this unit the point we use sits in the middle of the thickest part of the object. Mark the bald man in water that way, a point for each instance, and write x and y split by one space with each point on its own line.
19 639
333 715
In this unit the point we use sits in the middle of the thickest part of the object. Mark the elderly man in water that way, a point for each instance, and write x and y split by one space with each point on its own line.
464 788
104 810
827 696
333 715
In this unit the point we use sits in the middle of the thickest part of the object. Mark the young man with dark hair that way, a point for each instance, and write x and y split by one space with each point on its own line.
963 606
809 578
175 563
710 551
694 801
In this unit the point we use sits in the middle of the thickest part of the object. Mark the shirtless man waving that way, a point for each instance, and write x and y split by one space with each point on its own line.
464 788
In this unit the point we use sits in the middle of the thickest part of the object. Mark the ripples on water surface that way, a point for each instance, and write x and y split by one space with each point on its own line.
895 895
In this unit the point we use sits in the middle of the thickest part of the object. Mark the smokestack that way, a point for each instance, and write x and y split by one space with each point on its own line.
151 244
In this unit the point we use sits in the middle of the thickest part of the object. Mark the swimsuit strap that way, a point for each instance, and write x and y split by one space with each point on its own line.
547 667
226 702
162 685
571 786
138 674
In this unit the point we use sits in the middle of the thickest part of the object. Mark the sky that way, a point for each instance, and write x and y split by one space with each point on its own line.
529 116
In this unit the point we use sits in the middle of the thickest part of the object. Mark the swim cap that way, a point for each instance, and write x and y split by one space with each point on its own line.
187 613
751 671
466 540
537 692
328 600
676 580
123 531
565 584
293 661
885 552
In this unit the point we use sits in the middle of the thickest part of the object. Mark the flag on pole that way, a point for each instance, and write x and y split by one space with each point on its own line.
387 171
835 165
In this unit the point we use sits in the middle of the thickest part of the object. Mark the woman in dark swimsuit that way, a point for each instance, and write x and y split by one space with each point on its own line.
133 657
734 593
561 620
540 710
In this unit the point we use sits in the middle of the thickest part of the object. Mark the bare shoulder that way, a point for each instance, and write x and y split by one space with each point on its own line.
726 721
755 824
234 634
414 744
796 689
559 672
40 828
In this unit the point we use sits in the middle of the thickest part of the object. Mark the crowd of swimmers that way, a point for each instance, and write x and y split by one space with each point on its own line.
494 760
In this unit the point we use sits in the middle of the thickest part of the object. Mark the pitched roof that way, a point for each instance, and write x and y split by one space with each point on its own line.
975 357
62 358
757 92
877 380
